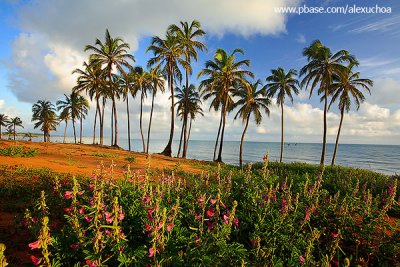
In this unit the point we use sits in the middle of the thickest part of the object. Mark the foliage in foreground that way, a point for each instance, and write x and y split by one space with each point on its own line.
226 218
18 151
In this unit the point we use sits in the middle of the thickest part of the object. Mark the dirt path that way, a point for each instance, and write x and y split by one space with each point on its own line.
83 159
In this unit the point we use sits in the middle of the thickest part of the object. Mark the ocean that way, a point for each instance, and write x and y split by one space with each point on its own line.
380 158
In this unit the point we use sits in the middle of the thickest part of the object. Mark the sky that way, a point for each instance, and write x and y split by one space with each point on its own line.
42 42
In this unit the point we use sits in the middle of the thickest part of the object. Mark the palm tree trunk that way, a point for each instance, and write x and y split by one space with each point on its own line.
0 130
185 115
14 132
151 117
73 125
168 149
187 140
325 131
44 136
241 141
180 142
114 108
219 159
337 137
65 130
140 119
102 123
129 124
80 138
95 119
216 141
282 140
112 126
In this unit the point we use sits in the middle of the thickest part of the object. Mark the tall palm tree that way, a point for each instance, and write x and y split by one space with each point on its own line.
188 36
83 104
71 105
322 66
113 53
45 116
167 57
14 122
126 84
91 80
64 116
251 101
193 109
140 83
4 121
222 74
156 83
187 97
346 87
282 84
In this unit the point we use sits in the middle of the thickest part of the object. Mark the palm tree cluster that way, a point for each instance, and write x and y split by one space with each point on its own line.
226 83
11 124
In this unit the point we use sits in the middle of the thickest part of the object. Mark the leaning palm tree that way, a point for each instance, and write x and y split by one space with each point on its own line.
156 83
72 107
322 66
83 105
222 74
346 87
140 83
251 101
4 121
113 53
64 116
91 79
14 122
282 84
167 57
188 36
45 117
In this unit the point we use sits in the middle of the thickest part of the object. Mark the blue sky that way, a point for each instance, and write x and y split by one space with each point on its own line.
42 41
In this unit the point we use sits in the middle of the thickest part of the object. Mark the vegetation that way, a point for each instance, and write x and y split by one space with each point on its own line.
272 214
18 151
45 117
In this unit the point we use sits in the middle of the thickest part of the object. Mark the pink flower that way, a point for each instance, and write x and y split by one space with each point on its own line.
210 212
302 260
148 228
200 199
253 241
121 216
91 185
197 216
68 195
88 218
35 260
151 252
213 201
34 245
81 192
226 219
170 226
334 235
82 210
236 222
109 219
91 263
307 218
146 200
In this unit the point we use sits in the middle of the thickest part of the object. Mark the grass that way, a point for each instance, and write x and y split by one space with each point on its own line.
18 151
104 155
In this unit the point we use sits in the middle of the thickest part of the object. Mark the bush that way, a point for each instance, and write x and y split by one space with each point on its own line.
18 151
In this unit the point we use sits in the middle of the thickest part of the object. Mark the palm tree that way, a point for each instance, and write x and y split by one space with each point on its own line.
187 97
188 36
167 57
83 104
322 66
346 87
222 75
113 53
126 84
64 116
10 132
45 116
15 122
91 79
29 136
72 106
251 101
156 83
194 108
140 83
4 121
282 84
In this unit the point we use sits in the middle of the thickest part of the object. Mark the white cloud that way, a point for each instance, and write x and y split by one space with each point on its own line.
1 103
301 38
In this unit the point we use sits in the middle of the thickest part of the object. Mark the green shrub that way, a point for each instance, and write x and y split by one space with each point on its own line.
18 151
130 159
